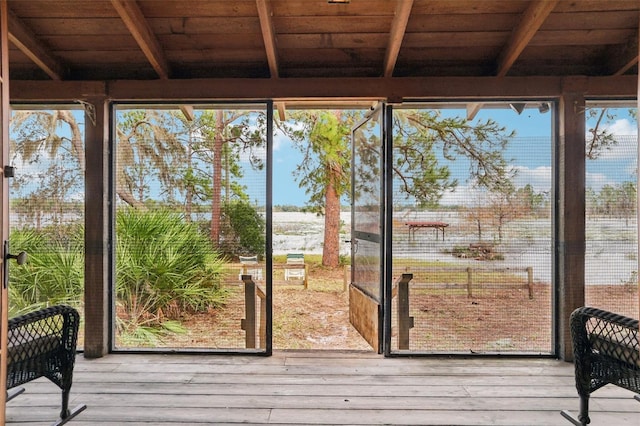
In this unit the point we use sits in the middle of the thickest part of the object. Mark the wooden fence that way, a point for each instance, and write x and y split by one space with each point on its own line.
472 282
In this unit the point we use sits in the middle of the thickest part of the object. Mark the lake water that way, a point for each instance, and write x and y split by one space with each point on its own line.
611 256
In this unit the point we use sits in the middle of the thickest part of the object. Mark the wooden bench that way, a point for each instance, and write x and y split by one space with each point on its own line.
606 351
43 344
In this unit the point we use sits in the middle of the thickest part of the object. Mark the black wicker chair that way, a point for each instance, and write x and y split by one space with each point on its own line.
606 351
43 344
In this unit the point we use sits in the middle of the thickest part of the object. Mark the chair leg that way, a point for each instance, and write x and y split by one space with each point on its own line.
583 418
584 410
13 393
70 415
65 413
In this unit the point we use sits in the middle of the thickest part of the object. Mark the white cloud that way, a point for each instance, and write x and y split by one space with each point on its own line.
463 195
597 180
622 127
539 178
625 133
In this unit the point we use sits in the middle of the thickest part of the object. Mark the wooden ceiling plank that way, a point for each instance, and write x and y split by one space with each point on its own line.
135 21
398 28
268 35
26 41
532 19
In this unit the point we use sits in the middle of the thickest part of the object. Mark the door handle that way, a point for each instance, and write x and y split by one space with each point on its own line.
21 259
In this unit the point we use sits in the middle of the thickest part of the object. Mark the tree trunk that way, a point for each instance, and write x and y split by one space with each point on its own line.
188 196
331 246
128 198
76 136
217 179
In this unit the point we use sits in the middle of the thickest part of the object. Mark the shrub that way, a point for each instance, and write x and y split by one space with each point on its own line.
243 229
164 267
54 271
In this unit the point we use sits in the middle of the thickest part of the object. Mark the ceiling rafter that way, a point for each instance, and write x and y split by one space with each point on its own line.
531 20
265 14
26 41
139 28
268 35
396 35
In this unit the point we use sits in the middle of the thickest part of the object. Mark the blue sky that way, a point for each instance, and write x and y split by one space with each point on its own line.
531 150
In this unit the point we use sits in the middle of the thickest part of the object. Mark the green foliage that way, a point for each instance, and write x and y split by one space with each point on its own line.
243 230
422 136
599 138
164 267
617 200
324 139
424 142
54 271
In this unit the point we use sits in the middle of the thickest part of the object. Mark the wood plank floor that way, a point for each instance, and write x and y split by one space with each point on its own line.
320 388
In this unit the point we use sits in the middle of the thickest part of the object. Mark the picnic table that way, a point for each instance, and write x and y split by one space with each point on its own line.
415 225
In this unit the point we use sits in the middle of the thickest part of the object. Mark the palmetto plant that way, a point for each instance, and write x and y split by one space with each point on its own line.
164 267
54 271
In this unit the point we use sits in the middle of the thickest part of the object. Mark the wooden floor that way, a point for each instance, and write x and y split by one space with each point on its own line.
320 388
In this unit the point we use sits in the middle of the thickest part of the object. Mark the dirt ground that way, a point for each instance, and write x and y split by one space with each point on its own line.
505 320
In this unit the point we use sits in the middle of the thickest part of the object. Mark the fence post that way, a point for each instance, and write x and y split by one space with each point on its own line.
248 324
530 281
469 282
405 322
263 318
347 277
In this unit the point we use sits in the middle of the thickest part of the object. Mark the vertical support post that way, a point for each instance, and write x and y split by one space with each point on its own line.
97 229
638 176
570 214
469 282
263 321
4 197
405 322
530 281
248 324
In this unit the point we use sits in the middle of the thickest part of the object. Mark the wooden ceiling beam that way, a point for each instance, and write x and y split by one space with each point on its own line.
396 35
473 109
26 41
268 35
188 112
265 14
531 20
472 89
139 28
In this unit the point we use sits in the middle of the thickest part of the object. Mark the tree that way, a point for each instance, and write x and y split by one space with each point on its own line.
530 201
222 138
324 172
423 142
599 138
147 150
37 139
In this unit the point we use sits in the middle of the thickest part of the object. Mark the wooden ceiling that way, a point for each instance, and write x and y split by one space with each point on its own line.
80 40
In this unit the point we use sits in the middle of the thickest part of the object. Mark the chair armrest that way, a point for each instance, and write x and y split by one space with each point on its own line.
58 322
597 331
